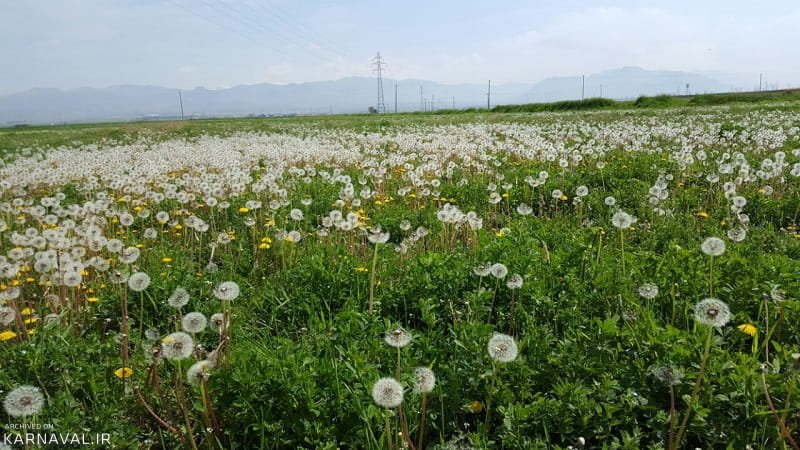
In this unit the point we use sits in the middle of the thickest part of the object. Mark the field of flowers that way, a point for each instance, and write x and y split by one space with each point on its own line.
566 280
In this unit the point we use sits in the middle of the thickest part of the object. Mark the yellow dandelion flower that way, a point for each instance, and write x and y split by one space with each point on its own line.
166 260
563 198
30 320
27 311
702 214
244 210
7 335
475 406
32 330
748 329
123 372
178 226
263 246
361 269
139 245
505 195
15 282
92 299
30 280
378 202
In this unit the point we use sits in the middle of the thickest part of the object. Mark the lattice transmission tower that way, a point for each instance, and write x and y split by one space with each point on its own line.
378 66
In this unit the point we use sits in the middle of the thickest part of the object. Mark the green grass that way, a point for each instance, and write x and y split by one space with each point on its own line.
305 351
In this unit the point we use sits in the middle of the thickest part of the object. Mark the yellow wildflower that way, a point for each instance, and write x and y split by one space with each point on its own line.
166 260
748 329
244 210
123 372
6 335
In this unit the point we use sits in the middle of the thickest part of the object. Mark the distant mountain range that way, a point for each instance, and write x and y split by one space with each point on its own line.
346 95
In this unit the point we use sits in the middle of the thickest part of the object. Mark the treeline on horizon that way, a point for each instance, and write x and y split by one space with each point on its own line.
644 101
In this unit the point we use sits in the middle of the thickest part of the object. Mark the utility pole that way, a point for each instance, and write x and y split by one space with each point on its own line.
583 86
601 90
760 76
433 105
395 98
454 102
421 100
489 96
379 65
180 100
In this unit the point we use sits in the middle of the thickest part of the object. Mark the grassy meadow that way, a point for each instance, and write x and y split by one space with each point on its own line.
621 278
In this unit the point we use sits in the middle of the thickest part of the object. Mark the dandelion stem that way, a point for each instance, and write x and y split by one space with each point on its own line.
711 278
785 433
422 421
695 391
622 250
372 280
388 432
182 405
671 415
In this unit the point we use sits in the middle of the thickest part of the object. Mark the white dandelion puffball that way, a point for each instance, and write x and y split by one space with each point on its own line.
483 270
178 298
737 234
139 281
622 220
387 392
397 338
514 281
216 322
712 312
296 214
194 322
424 380
176 346
24 401
648 291
227 290
713 246
502 348
499 270
7 315
378 238
199 371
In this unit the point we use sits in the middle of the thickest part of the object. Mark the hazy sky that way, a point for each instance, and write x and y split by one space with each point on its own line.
219 43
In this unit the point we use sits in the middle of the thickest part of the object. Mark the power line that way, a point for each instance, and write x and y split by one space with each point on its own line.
298 27
235 31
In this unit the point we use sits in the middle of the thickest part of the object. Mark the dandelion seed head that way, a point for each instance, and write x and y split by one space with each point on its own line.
424 380
712 312
648 291
713 246
138 281
24 401
200 370
499 270
177 346
179 298
387 393
502 348
194 322
227 290
397 338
